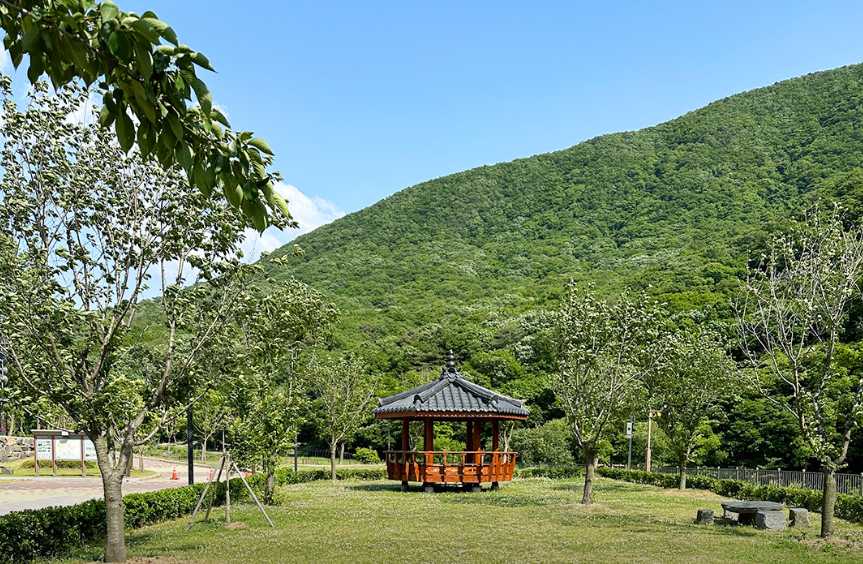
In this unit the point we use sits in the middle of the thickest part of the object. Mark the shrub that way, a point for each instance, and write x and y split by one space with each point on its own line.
848 507
555 472
548 444
46 464
367 456
51 532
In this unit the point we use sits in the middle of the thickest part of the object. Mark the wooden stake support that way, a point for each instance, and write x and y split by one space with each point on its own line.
228 466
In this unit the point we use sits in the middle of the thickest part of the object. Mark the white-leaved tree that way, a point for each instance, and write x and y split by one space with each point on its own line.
86 230
791 316
605 349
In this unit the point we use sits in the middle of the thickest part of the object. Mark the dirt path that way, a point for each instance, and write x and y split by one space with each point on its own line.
35 493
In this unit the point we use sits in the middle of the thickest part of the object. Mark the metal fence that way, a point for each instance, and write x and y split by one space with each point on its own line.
845 483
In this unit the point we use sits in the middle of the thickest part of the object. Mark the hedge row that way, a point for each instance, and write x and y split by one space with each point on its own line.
54 531
848 507
554 472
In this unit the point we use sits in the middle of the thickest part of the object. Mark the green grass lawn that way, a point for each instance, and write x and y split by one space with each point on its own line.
527 520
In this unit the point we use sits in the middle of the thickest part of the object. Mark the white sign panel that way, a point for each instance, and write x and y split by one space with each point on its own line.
629 429
89 450
43 449
66 448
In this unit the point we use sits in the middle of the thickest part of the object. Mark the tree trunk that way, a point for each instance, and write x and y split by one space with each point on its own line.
112 488
682 471
269 469
333 448
828 503
342 454
204 449
115 541
589 468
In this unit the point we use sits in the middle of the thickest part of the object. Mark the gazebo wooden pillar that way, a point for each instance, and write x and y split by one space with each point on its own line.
451 398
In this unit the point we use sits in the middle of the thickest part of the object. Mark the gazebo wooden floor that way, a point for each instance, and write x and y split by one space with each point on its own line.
443 467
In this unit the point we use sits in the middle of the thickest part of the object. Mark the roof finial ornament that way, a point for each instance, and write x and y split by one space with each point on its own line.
450 362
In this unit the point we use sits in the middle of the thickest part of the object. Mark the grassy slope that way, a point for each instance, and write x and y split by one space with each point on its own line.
674 208
528 520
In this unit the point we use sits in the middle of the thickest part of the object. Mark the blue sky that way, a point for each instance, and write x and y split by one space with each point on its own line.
361 99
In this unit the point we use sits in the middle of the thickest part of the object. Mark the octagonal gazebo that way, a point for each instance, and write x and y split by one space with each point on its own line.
451 398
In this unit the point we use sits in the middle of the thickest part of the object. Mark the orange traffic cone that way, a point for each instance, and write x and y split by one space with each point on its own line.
174 474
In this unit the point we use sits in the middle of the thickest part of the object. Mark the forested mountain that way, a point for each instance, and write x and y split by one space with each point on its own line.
675 209
470 261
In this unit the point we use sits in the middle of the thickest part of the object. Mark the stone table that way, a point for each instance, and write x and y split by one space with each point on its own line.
764 514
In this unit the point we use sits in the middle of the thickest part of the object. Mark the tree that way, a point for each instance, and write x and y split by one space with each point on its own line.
604 352
85 229
273 326
345 393
791 315
148 80
691 379
210 415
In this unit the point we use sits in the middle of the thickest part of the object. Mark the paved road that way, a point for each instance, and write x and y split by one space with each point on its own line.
34 493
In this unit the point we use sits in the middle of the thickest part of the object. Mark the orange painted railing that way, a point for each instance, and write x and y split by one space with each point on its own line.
450 467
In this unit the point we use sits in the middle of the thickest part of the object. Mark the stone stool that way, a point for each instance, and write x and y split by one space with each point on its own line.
771 520
704 517
799 517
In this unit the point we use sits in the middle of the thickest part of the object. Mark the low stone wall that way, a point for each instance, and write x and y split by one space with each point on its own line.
14 448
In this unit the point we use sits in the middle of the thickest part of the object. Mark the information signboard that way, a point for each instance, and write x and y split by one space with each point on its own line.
62 445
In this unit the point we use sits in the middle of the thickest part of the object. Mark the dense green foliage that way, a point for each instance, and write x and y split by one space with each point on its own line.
470 261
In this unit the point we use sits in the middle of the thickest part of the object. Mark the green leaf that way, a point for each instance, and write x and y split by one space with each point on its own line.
175 125
143 103
145 138
202 61
217 115
146 30
118 45
261 145
205 99
109 11
143 60
276 201
163 29
184 157
105 116
233 193
125 130
254 210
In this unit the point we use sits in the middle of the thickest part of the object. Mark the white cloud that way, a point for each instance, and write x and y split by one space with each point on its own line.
309 211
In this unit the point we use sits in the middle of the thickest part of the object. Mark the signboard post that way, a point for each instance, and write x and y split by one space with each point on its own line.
629 439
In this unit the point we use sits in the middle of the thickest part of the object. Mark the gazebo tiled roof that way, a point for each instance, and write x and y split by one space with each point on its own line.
450 396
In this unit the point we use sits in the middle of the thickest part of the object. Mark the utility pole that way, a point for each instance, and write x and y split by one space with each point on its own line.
190 453
629 437
648 451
